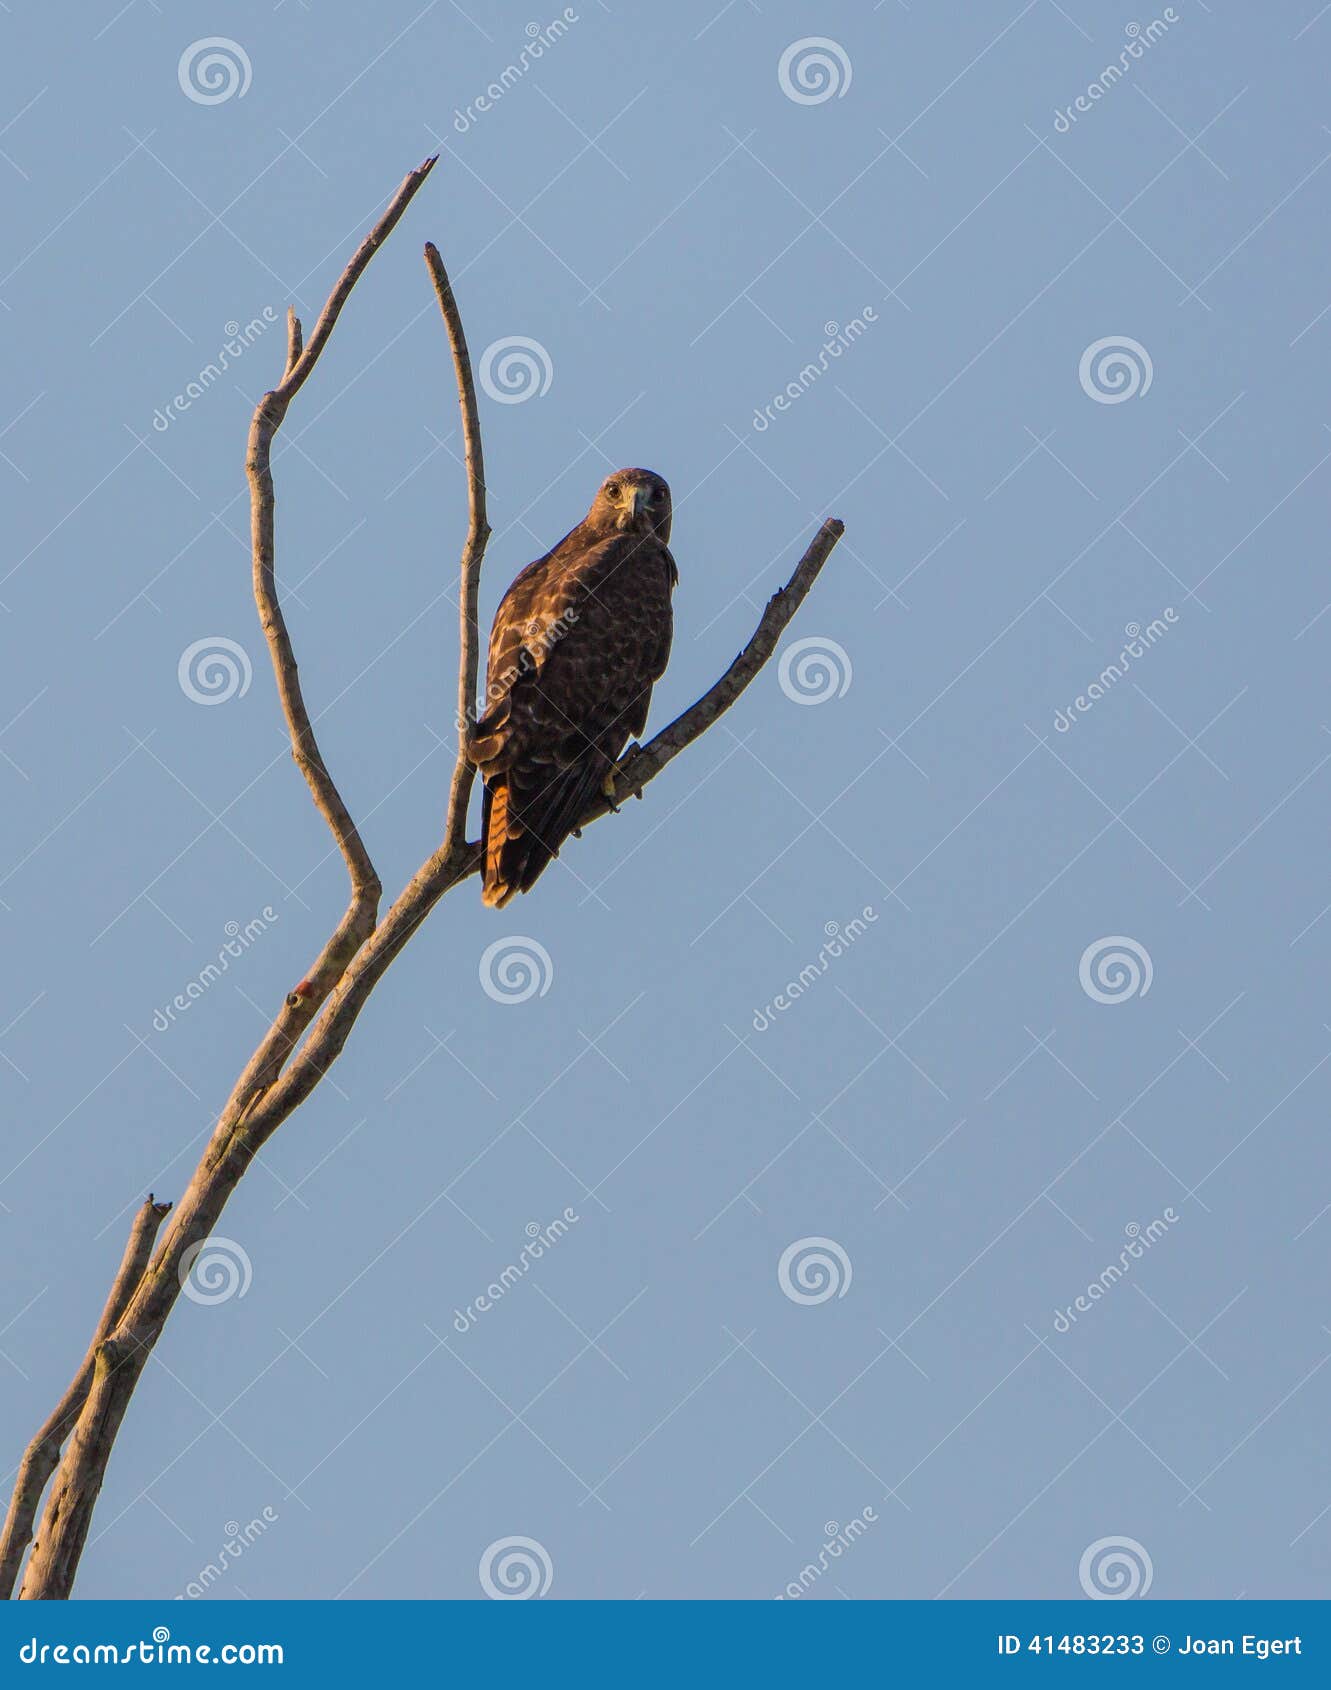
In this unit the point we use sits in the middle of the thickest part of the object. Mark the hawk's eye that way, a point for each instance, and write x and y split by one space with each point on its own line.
612 489
658 493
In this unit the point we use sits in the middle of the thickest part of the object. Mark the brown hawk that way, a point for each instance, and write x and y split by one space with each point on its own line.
578 641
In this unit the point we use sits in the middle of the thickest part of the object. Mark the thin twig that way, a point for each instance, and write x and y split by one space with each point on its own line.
473 550
42 1454
295 341
295 377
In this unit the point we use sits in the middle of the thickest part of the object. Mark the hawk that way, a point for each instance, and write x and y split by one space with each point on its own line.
578 641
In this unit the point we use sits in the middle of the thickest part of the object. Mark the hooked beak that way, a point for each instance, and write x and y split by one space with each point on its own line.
633 506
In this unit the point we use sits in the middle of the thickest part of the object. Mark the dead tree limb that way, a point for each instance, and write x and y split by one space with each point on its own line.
101 1390
473 550
316 1019
42 1454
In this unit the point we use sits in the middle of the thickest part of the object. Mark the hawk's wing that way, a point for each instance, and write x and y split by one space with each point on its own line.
578 641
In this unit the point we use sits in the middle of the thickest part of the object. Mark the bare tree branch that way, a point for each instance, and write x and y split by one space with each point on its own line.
473 551
647 761
366 889
295 340
42 1454
323 1009
308 357
116 1362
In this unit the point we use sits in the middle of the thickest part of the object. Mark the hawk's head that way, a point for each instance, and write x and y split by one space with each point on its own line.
632 500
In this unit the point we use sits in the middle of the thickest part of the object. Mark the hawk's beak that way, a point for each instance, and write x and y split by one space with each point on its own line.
635 502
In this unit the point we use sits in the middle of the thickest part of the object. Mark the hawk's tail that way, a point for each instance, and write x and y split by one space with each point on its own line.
499 883
521 832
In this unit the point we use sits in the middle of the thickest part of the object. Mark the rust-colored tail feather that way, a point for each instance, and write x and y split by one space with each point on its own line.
521 835
497 887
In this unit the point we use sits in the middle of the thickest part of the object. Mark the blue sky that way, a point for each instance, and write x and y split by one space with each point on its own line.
1063 1015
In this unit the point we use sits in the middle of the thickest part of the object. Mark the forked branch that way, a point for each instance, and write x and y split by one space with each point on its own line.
358 921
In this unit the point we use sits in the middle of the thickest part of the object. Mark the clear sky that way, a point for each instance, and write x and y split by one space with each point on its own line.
1077 409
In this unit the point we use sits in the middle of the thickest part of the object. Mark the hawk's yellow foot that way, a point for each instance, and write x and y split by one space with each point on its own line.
616 772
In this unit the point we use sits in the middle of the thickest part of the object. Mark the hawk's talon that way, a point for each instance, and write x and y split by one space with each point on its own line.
618 772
